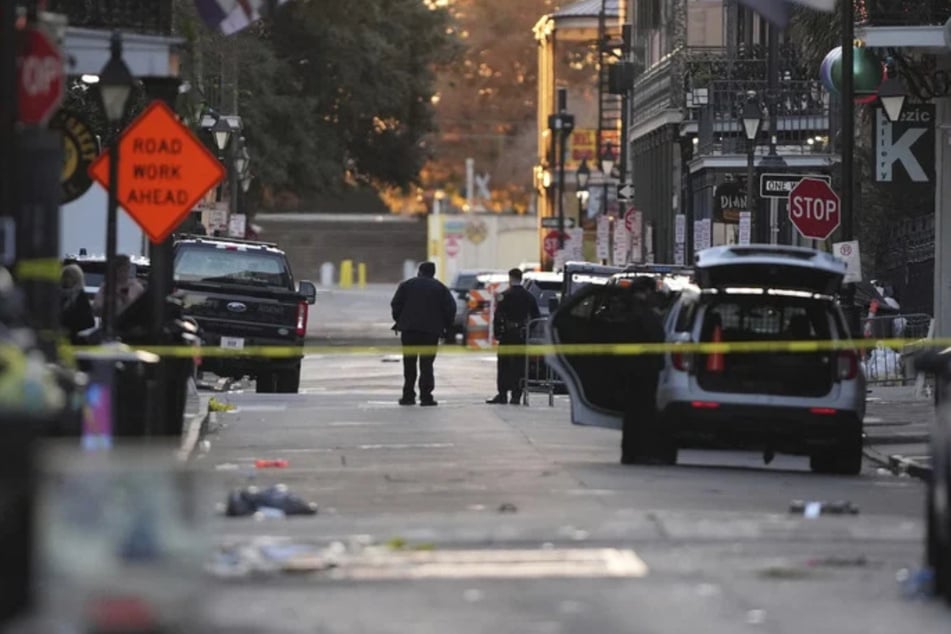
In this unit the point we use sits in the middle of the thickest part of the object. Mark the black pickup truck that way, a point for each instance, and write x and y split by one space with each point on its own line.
242 294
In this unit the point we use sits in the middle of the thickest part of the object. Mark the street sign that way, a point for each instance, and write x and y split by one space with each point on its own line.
41 78
745 228
603 238
550 243
163 171
779 185
814 208
80 150
625 191
551 222
631 217
849 253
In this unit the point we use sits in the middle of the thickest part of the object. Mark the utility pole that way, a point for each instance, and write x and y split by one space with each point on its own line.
846 150
627 87
772 162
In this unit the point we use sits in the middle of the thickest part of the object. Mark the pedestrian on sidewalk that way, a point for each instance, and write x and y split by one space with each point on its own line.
515 308
423 309
128 287
75 309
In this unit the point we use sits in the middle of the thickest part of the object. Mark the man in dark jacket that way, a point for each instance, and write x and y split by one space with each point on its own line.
515 307
644 439
423 309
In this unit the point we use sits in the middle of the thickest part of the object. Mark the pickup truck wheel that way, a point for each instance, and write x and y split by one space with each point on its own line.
265 382
288 380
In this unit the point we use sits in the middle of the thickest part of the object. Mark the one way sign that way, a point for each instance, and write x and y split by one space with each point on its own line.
625 191
904 151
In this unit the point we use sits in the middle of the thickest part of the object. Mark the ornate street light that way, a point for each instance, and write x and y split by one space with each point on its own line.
892 95
583 175
221 131
115 86
752 120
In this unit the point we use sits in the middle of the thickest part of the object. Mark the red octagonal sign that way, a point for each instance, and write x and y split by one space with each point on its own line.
41 78
814 208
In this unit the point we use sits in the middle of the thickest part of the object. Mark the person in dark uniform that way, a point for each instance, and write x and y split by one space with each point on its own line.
643 438
515 307
423 309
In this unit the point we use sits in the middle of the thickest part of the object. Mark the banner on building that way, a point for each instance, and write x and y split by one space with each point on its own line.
905 151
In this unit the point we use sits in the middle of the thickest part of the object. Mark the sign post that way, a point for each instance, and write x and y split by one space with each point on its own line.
167 173
814 209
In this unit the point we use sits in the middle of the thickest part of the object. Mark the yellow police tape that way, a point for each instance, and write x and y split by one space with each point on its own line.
41 269
577 349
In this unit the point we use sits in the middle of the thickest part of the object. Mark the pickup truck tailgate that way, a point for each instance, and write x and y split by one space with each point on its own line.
244 315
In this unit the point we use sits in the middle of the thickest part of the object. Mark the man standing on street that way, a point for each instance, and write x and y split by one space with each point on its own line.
516 306
423 309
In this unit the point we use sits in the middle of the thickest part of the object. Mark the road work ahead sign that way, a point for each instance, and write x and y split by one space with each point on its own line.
163 171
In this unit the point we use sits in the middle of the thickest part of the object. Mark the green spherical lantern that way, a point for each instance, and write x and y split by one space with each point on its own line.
867 72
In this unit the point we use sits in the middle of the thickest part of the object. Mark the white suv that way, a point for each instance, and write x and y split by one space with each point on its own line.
806 403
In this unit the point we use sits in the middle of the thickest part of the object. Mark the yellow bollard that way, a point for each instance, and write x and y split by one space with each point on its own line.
346 274
362 275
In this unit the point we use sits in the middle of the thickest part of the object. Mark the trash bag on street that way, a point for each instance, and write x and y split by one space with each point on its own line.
251 500
883 364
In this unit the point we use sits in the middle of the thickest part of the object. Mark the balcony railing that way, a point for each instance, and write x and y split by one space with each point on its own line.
142 16
805 122
706 64
902 12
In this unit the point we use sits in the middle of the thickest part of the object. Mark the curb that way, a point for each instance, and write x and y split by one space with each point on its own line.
897 439
898 464
197 429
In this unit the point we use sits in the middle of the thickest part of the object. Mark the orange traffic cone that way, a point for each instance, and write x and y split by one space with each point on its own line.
715 359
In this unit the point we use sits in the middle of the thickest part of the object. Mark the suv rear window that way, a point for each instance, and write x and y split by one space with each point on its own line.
759 317
203 264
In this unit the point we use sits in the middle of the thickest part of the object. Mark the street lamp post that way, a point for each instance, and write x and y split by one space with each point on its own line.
115 86
752 120
607 166
582 176
221 132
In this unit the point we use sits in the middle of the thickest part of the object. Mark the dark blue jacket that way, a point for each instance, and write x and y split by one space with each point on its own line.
423 304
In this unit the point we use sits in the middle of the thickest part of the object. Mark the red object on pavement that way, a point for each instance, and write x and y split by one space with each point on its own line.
814 208
271 464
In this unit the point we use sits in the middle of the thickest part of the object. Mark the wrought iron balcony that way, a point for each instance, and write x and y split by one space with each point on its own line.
142 16
803 125
902 12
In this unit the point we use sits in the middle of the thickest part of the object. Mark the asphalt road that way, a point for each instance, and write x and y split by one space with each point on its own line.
568 540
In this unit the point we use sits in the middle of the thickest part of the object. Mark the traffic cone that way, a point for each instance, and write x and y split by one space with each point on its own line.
715 359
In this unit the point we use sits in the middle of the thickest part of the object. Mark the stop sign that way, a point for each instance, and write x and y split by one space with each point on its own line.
41 78
814 208
550 243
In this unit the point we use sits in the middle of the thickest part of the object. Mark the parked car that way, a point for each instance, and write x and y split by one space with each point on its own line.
462 283
243 294
544 287
805 403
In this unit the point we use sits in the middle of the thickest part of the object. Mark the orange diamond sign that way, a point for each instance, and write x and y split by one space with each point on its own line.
163 171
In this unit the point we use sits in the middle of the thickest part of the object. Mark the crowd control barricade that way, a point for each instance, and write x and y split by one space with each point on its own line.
539 377
892 364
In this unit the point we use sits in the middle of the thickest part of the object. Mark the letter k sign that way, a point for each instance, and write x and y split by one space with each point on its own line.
889 150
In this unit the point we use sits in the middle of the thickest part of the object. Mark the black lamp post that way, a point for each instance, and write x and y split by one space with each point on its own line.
115 86
221 133
752 119
607 166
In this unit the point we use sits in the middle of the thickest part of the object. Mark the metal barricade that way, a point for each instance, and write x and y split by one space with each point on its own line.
539 377
889 364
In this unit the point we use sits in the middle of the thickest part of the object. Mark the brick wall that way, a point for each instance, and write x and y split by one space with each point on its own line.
382 242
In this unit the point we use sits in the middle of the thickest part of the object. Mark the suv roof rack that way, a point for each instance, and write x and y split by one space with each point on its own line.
205 238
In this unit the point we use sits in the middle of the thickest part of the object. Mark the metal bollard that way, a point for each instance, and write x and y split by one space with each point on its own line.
346 274
327 270
409 269
362 275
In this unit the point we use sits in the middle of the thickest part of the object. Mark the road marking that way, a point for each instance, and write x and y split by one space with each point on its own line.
872 420
422 445
278 407
561 563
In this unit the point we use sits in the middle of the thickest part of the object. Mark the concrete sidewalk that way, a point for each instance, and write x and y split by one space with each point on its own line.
897 429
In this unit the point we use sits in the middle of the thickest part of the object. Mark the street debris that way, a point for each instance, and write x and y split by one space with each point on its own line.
756 617
398 543
277 463
268 556
814 509
273 502
214 405
392 358
204 446
839 562
916 584
508 507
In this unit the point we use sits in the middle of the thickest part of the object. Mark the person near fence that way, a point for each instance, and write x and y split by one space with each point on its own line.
128 287
516 306
423 310
75 309
644 440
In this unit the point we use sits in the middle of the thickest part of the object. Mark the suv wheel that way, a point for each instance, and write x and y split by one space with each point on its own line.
264 382
288 380
843 458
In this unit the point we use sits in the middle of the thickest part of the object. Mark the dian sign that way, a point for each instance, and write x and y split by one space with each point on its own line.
163 171
814 209
41 78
